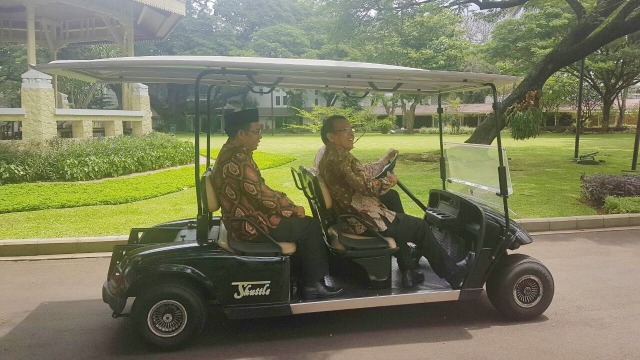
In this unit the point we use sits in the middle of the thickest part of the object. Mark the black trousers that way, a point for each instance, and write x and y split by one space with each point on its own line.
391 199
311 251
406 228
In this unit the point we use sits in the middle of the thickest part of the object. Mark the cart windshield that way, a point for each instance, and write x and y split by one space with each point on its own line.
472 171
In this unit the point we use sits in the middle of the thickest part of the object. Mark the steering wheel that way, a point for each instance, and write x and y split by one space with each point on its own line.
387 168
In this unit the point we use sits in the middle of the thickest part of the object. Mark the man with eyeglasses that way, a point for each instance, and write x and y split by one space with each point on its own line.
242 192
391 198
353 191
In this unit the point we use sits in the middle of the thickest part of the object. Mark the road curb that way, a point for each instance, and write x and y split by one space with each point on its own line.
50 248
580 222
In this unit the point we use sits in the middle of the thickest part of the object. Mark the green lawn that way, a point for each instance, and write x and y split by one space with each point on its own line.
545 180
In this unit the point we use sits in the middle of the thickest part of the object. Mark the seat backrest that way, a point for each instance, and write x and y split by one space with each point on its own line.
207 193
225 239
319 197
321 201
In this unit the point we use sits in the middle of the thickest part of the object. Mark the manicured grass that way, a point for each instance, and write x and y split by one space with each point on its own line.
56 195
59 195
546 181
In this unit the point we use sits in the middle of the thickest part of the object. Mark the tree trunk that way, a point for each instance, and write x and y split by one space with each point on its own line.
407 120
622 108
607 104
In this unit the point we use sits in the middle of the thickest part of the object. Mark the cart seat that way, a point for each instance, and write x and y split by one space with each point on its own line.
321 204
226 240
371 253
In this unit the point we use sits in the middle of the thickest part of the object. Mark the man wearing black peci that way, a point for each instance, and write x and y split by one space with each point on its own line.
242 192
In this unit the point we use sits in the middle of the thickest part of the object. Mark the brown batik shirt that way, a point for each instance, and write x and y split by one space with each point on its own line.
242 192
353 191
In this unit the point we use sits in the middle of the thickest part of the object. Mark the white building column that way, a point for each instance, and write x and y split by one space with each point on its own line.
113 128
82 129
38 100
140 101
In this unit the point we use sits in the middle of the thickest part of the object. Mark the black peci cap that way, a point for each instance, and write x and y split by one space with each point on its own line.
239 118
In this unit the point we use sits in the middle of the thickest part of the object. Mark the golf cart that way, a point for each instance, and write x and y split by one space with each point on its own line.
174 270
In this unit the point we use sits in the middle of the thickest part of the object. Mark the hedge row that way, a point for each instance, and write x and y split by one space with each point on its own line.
447 130
74 160
596 188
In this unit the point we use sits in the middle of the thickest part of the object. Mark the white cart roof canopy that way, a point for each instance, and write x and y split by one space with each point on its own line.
265 73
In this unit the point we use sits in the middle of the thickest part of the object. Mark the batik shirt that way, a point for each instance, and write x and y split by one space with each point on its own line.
353 191
242 192
370 169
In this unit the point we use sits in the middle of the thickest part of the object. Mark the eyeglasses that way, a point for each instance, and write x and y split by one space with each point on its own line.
257 132
347 130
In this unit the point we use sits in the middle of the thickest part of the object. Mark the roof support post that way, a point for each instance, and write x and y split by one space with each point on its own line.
443 172
31 34
128 50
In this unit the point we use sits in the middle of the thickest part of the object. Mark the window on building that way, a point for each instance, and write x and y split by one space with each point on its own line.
278 100
317 102
11 130
284 100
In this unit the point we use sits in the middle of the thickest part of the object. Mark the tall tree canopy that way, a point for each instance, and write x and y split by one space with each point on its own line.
597 23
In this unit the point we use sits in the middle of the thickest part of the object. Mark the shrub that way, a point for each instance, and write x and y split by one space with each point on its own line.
622 205
74 160
263 160
595 188
449 130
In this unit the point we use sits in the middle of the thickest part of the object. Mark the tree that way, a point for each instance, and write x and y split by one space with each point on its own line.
13 63
359 119
426 36
13 60
389 102
595 26
295 100
610 70
559 90
199 33
247 17
280 41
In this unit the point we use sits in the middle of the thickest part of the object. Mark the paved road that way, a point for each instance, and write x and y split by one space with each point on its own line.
52 309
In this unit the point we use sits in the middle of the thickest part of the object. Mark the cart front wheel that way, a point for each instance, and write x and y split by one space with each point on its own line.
170 315
521 287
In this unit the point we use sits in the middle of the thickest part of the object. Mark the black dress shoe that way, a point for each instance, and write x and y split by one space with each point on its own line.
415 255
320 290
407 279
411 278
460 271
331 284
418 277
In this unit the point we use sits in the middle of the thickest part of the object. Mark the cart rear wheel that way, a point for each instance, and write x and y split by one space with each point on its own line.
170 315
521 287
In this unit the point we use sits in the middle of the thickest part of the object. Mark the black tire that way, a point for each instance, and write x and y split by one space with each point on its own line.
169 316
520 287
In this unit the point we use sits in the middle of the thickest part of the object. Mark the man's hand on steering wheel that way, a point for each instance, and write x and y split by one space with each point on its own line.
391 154
387 169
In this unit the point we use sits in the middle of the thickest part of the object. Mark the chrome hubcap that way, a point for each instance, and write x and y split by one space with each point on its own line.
528 291
167 318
